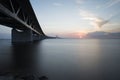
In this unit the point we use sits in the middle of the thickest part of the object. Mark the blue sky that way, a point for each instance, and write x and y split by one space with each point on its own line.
71 17
64 17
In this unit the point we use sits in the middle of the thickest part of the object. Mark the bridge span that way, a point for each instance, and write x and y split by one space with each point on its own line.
20 16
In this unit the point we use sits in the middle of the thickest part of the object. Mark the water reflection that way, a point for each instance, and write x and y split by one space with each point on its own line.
21 63
61 59
24 59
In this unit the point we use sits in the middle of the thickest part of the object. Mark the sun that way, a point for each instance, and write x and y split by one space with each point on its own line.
81 34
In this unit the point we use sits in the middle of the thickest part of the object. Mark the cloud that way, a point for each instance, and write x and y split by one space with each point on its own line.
57 4
94 20
103 35
112 27
110 3
114 30
99 23
79 1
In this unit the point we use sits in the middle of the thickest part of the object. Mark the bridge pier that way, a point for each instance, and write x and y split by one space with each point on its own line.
22 36
25 36
36 37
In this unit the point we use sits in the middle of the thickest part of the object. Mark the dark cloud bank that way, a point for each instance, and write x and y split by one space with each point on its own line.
103 35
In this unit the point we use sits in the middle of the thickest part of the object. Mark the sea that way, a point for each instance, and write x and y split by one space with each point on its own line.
61 59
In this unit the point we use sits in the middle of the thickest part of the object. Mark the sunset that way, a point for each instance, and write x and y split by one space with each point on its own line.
59 39
73 16
66 17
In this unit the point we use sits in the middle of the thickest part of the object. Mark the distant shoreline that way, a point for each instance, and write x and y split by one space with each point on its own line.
75 38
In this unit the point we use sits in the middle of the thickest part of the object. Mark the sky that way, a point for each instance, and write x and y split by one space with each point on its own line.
69 18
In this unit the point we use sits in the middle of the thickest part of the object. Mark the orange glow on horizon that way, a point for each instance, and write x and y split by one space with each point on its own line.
80 34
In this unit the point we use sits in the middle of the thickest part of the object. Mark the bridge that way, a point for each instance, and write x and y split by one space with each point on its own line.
20 16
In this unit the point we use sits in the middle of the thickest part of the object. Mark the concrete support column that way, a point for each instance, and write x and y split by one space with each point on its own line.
22 36
36 37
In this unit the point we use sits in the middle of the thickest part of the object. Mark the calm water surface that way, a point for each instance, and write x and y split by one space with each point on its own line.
61 59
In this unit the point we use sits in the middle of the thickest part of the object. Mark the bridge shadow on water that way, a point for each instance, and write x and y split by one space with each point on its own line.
22 63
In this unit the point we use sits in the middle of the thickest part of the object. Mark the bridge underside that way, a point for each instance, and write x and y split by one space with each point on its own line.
19 15
24 36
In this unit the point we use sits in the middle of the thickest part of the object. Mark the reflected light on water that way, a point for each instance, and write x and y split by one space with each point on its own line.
62 59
